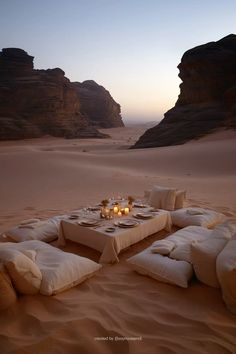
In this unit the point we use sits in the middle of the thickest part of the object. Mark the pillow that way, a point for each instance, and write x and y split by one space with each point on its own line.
24 273
7 292
231 227
183 239
180 198
196 216
31 254
29 221
163 247
225 230
62 270
204 255
162 198
226 273
46 231
161 268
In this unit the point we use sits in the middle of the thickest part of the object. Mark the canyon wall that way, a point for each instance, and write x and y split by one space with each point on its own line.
207 99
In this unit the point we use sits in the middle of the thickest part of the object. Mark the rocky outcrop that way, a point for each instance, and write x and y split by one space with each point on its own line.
97 105
15 62
38 102
207 97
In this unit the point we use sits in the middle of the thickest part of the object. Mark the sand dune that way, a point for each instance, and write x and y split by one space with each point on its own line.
48 173
48 176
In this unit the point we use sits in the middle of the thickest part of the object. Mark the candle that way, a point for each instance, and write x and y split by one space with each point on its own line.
116 209
107 210
119 213
111 213
126 211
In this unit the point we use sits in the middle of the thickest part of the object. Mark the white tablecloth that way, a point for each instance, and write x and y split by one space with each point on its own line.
110 244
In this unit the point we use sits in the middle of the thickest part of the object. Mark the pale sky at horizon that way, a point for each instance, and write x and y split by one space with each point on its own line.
131 47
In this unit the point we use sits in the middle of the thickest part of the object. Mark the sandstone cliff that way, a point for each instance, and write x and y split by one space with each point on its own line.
38 102
207 97
98 105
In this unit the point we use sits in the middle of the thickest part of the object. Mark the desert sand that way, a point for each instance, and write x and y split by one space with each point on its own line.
50 176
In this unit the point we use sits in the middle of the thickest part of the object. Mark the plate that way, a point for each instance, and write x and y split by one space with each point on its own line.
143 215
73 217
154 210
88 222
94 208
127 223
110 229
140 205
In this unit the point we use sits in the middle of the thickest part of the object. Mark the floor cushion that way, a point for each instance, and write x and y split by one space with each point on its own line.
180 199
7 292
60 270
197 217
161 268
46 231
183 239
204 254
63 270
162 198
178 244
163 247
25 274
226 273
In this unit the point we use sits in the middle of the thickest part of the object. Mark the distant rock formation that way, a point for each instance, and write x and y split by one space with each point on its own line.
207 97
97 105
38 102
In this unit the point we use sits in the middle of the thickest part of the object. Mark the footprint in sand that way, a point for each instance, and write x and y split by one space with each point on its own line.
8 216
47 149
29 208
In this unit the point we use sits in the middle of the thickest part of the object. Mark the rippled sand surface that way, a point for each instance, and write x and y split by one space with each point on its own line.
116 311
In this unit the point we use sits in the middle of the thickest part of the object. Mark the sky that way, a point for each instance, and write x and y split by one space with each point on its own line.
131 47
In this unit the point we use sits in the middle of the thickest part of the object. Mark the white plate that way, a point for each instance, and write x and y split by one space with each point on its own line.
88 222
154 210
143 215
126 223
73 217
94 208
140 205
110 229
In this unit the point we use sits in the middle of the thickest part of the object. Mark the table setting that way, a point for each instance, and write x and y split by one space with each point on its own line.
112 225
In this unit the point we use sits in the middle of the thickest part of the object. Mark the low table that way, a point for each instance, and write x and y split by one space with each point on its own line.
110 244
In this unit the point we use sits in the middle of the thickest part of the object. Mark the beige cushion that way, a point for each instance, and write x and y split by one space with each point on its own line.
180 199
162 198
31 254
60 270
226 273
163 247
24 273
183 240
196 216
204 255
29 221
46 231
7 292
161 268
63 270
231 227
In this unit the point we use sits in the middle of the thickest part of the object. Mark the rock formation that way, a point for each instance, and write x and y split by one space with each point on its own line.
38 102
97 104
207 97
